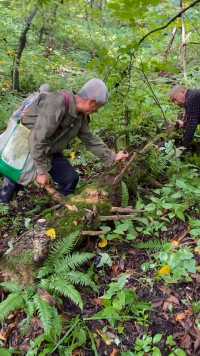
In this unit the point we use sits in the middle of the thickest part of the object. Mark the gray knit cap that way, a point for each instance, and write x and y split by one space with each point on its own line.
44 88
95 89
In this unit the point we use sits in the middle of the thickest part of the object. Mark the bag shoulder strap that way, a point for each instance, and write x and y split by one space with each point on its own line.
67 97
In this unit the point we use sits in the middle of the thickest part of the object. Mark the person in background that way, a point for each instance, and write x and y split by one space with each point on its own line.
56 119
189 99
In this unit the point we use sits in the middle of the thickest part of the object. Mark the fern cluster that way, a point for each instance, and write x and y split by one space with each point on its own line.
154 245
59 276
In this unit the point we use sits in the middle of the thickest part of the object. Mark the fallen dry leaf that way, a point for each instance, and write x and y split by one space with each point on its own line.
186 342
115 352
98 301
169 302
78 353
175 243
183 315
3 336
180 316
44 295
172 299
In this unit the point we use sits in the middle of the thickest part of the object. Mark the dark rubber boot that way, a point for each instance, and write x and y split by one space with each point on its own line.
8 190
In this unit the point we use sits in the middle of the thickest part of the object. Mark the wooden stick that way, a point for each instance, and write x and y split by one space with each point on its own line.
92 233
119 209
59 198
134 156
119 177
116 217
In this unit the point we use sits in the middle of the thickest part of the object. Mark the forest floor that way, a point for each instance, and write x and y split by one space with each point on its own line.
162 320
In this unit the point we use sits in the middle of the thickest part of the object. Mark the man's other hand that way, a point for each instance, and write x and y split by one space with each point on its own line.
121 156
42 179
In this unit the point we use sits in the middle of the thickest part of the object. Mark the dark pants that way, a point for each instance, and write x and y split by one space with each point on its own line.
63 174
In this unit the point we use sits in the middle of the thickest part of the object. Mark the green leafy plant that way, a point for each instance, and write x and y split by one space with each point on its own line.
123 230
120 301
146 345
32 303
195 228
175 351
75 336
181 264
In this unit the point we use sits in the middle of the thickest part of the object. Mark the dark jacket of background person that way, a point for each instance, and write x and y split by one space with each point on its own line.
192 115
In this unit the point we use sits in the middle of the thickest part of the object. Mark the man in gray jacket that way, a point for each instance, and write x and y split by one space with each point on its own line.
54 120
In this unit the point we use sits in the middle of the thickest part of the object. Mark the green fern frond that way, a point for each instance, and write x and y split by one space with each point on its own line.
11 287
125 195
30 308
45 270
13 302
62 287
155 245
81 279
44 283
45 313
75 260
57 323
64 246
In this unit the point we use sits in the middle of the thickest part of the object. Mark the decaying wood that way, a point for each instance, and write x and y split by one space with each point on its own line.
91 196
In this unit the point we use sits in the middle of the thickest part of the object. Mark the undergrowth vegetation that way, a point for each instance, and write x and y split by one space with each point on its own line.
132 287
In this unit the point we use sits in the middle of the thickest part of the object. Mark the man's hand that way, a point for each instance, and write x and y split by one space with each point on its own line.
121 156
42 179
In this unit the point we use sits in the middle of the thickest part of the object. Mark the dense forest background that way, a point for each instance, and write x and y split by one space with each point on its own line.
137 275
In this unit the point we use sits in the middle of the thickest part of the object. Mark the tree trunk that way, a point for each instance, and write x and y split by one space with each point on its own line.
21 46
183 44
168 49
